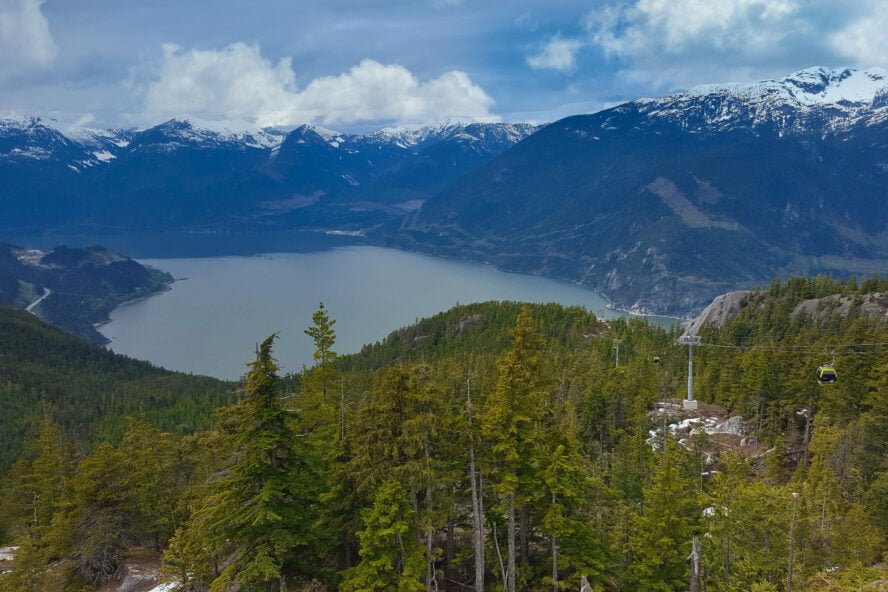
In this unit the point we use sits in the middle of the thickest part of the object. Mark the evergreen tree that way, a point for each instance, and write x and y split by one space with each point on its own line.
571 498
324 337
667 524
317 401
508 424
100 515
34 494
749 523
253 528
391 557
400 428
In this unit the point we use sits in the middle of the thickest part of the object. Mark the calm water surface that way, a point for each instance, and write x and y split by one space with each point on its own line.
221 307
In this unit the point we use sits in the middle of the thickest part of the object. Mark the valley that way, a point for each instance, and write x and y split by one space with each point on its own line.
219 306
386 407
658 204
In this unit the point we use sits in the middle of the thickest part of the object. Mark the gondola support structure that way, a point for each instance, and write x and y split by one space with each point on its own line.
690 341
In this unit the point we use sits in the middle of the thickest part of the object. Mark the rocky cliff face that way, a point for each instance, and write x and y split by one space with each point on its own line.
728 306
722 309
873 306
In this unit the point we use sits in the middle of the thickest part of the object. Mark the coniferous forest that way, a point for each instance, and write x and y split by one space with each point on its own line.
494 446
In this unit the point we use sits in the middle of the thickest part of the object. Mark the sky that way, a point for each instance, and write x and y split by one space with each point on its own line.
358 65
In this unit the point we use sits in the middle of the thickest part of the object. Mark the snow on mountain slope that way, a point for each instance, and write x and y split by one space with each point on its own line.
416 138
814 99
32 138
24 139
177 133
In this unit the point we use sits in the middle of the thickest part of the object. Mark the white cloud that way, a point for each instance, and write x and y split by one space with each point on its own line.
25 39
234 83
372 91
674 26
671 41
863 39
558 54
237 83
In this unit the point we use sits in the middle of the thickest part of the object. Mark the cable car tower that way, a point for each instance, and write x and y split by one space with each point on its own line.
690 341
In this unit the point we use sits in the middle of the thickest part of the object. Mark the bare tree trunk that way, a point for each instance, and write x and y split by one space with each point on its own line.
585 586
695 565
431 576
341 408
554 544
511 582
499 555
806 437
477 509
728 561
522 514
448 544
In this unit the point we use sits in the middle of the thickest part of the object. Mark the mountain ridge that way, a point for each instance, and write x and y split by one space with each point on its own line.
178 175
74 288
662 204
658 204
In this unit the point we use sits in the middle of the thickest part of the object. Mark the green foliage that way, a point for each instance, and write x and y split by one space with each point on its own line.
577 478
667 522
252 526
474 329
319 406
89 390
82 286
391 558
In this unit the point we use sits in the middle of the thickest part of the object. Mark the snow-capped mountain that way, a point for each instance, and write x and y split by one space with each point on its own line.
28 138
661 204
814 99
658 203
184 171
31 137
411 138
177 133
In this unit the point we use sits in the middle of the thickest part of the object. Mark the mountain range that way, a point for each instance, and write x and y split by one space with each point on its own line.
180 176
659 204
662 204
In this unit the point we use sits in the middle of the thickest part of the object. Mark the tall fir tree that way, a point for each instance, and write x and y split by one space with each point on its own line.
392 559
254 527
667 524
324 337
508 424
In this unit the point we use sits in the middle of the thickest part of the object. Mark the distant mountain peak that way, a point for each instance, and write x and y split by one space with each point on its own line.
818 100
19 121
834 85
196 132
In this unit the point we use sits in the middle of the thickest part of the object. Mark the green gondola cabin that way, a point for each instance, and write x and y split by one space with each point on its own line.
826 374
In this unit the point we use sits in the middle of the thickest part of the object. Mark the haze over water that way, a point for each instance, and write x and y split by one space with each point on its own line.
221 307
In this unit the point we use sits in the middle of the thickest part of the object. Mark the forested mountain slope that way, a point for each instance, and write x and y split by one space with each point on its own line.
500 446
88 390
661 204
74 288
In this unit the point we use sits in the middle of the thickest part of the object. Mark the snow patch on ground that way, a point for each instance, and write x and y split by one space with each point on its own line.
103 155
683 425
7 553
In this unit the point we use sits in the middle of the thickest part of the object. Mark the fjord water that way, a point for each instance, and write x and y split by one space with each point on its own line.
219 308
